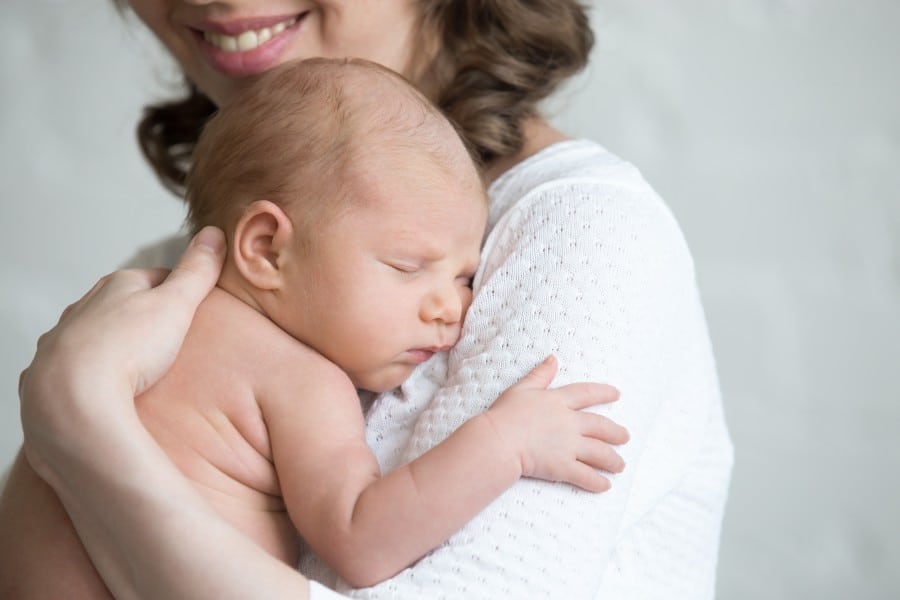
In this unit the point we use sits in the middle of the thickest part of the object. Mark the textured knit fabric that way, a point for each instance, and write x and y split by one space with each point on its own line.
583 260
320 592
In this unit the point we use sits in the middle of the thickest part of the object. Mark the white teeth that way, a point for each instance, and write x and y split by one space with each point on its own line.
247 40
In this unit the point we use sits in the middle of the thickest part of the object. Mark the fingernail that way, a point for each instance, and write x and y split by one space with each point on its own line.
211 238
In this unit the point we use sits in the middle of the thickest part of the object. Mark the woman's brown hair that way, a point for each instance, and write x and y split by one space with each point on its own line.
494 62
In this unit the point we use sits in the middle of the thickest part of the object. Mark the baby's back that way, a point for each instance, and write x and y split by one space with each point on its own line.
205 414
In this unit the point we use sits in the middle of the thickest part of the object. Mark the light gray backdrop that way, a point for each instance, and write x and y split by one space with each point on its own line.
772 127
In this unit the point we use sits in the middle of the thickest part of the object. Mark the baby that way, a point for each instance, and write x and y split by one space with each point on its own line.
354 217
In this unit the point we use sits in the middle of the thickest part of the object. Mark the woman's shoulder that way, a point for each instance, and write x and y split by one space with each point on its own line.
579 187
570 172
574 156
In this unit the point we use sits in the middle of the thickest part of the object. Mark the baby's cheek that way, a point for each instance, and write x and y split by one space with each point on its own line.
466 296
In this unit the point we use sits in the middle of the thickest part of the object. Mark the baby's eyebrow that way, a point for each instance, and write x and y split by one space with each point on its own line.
416 243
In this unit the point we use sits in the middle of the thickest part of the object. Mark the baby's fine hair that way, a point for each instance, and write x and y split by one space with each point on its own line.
294 134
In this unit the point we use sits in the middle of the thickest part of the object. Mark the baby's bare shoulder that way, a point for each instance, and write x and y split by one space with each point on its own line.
255 350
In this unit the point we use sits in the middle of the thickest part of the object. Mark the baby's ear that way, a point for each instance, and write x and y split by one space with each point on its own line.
262 237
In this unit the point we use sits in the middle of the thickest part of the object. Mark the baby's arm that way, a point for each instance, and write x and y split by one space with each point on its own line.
368 527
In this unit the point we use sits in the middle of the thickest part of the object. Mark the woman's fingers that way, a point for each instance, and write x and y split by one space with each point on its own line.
130 324
151 277
95 289
198 270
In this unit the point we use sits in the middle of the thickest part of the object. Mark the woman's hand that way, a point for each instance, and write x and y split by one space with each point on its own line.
112 344
147 530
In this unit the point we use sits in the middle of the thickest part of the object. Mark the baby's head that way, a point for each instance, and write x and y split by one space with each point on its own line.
353 212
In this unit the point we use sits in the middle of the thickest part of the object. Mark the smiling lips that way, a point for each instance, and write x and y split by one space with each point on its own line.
247 46
249 39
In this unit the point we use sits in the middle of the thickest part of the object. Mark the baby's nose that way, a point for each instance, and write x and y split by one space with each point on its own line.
443 305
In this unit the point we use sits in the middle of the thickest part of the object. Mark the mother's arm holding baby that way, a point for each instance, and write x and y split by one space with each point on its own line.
83 436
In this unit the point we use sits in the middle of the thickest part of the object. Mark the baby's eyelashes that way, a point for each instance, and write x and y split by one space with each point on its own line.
408 268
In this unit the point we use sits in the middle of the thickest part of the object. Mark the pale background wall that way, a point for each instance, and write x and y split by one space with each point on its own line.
771 127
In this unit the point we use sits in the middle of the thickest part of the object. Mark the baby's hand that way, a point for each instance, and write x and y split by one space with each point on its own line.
553 438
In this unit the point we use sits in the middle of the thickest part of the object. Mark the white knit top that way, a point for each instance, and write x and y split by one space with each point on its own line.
585 261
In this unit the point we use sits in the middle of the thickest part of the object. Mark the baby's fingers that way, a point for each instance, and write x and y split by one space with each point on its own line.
582 395
602 428
596 454
587 478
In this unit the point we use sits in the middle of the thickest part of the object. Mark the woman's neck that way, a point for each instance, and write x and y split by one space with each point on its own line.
538 134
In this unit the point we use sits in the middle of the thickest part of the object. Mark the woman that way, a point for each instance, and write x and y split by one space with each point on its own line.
583 260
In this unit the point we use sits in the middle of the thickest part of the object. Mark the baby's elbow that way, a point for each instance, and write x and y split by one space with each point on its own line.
361 567
363 579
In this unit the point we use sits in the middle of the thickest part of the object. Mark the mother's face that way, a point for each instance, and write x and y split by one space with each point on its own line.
221 43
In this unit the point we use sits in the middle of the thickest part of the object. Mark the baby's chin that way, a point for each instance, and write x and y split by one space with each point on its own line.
387 378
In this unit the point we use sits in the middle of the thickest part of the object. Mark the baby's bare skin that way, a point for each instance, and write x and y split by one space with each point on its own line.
272 435
206 414
244 400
